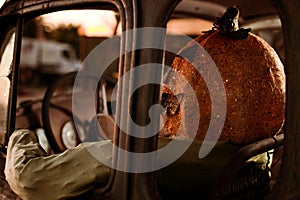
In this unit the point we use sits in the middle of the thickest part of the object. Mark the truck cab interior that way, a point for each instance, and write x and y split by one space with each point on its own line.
101 99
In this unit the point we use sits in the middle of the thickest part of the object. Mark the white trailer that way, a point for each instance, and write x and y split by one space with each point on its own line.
48 57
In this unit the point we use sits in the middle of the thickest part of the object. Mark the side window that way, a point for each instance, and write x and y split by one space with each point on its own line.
5 68
54 47
7 55
57 43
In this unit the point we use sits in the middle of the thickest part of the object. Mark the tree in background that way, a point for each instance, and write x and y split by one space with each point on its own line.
66 34
62 33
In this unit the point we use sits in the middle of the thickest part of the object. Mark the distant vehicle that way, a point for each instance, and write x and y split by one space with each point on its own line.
48 56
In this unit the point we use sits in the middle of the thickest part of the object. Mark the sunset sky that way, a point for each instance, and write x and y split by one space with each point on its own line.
92 22
80 17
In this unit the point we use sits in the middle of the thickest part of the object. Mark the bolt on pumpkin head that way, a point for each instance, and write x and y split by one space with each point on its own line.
252 75
228 24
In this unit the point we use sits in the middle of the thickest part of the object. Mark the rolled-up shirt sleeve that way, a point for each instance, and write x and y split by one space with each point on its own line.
33 174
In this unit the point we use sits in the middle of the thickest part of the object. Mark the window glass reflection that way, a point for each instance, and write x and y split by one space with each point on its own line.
4 95
7 57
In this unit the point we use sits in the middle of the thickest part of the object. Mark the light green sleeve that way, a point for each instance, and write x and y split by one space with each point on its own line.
34 175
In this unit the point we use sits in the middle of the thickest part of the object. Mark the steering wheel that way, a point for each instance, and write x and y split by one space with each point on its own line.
46 112
100 127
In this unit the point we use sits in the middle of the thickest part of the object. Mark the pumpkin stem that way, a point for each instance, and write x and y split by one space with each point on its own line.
228 24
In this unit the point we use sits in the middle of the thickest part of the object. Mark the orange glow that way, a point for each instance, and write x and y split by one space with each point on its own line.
91 23
188 26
